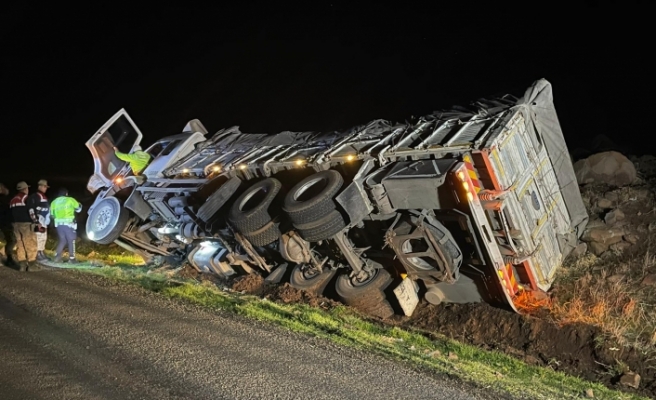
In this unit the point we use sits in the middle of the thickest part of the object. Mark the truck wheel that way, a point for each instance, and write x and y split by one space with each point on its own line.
309 279
322 229
313 197
107 221
369 296
249 212
267 234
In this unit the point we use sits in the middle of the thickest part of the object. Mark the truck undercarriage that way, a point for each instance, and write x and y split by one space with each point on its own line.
460 206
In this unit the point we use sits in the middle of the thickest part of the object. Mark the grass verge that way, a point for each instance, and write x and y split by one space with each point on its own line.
488 369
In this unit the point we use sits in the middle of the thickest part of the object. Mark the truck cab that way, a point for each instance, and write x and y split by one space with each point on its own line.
113 181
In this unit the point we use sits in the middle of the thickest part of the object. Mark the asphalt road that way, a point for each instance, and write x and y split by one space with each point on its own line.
66 335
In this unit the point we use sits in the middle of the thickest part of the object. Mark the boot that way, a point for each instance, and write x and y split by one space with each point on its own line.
33 266
22 266
73 260
41 256
58 258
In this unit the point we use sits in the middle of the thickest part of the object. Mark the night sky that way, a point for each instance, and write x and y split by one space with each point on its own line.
328 65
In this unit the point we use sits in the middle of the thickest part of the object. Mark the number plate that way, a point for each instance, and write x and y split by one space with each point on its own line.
406 293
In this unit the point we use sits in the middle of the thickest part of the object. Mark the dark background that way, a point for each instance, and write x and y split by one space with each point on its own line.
325 65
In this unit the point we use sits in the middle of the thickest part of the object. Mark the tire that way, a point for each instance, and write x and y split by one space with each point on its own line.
303 210
269 233
323 229
370 297
314 284
107 221
249 212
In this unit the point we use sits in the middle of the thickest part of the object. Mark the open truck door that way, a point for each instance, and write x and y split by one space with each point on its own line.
119 131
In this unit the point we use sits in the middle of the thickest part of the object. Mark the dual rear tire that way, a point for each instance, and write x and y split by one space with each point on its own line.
250 212
311 206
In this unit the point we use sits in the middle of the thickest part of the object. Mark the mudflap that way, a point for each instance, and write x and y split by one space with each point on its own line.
406 294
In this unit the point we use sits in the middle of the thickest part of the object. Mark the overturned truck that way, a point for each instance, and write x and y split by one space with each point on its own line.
470 204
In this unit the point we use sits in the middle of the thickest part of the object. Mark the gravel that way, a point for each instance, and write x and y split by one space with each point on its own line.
72 335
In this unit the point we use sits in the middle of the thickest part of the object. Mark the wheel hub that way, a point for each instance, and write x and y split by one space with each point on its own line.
363 278
103 218
310 272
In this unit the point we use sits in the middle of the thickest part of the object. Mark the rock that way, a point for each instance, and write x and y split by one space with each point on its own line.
612 196
630 379
611 168
595 223
630 238
620 247
649 280
453 356
598 248
639 194
613 217
646 164
436 354
579 250
604 203
603 235
589 393
615 278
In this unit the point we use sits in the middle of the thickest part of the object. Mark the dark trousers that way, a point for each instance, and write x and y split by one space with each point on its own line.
10 242
67 236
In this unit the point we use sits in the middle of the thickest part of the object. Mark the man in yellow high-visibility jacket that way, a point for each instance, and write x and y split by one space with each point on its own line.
63 210
138 159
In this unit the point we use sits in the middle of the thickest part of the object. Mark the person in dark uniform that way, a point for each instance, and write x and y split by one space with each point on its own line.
24 225
42 212
6 227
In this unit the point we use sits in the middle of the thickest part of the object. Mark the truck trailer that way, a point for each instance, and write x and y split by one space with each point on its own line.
468 204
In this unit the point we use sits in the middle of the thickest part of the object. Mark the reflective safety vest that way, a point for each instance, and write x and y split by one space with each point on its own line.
138 160
63 210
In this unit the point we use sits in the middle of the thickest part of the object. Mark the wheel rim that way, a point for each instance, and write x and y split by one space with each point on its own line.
253 199
357 284
104 217
300 195
309 273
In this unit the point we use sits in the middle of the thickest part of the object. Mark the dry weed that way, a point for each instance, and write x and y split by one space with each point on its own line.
607 293
528 303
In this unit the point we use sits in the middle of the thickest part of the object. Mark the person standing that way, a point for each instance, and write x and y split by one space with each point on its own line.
24 222
42 212
6 224
63 210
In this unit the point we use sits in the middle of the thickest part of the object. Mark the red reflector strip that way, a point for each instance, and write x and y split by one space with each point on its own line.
511 277
472 174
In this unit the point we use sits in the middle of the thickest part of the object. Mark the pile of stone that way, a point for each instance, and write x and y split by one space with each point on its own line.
617 193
